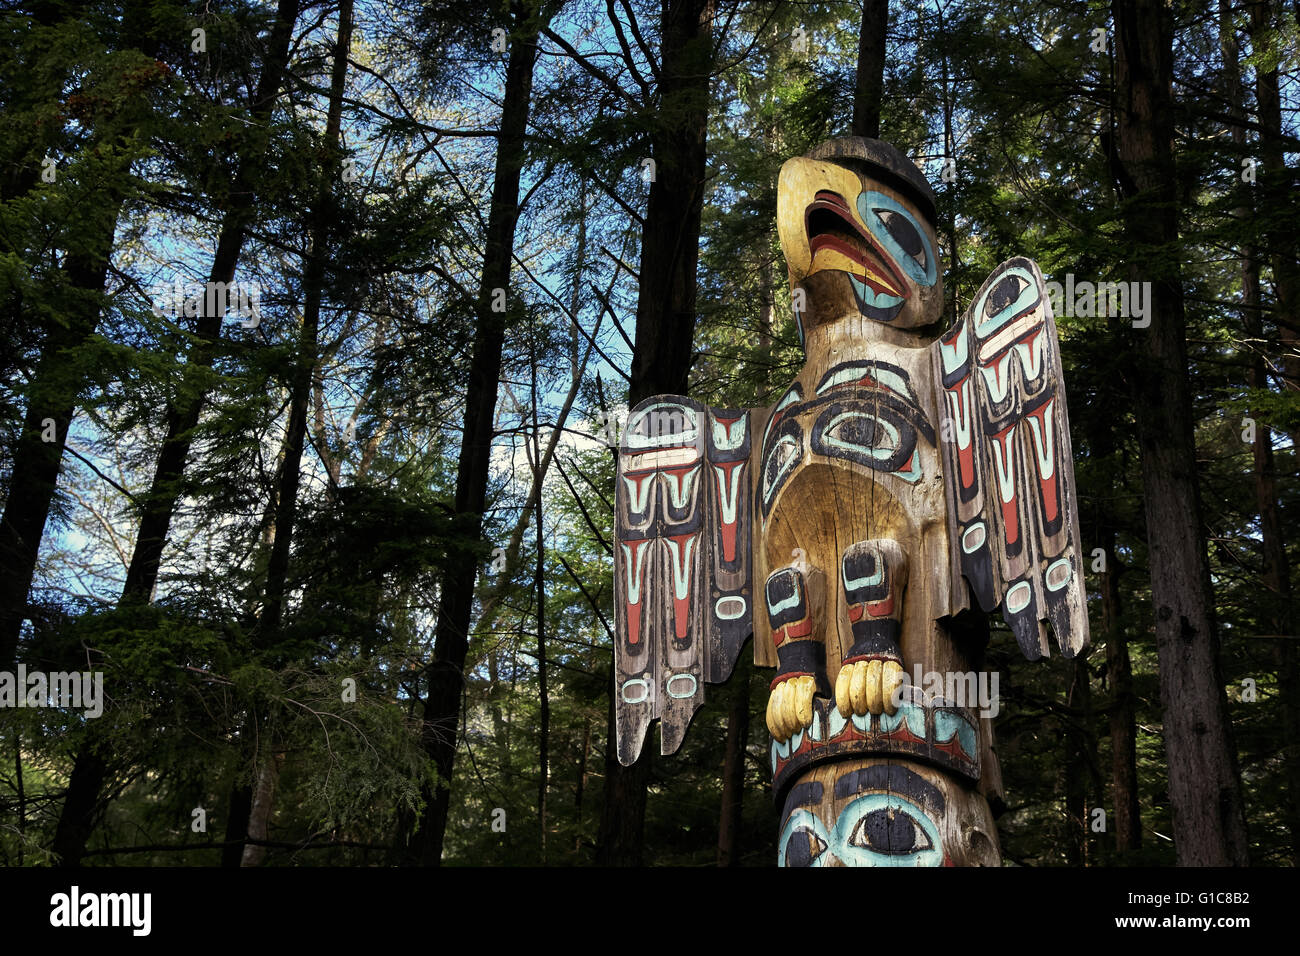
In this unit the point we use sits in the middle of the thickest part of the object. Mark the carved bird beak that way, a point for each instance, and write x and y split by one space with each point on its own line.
837 241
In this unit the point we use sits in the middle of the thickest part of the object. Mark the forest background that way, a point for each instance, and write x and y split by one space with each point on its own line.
341 547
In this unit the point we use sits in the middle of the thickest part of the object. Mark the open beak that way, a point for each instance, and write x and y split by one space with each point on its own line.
837 242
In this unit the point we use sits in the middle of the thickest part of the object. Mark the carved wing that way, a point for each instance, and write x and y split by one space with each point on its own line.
682 563
1009 470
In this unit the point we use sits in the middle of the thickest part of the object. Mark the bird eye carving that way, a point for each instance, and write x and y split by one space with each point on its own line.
1004 294
901 235
905 234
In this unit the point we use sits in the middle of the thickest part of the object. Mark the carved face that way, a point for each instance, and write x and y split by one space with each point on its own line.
877 813
856 245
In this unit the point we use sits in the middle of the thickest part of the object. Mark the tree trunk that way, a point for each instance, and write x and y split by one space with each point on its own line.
1123 708
184 410
539 583
733 768
1080 746
1204 789
870 80
321 219
665 324
458 573
259 814
313 286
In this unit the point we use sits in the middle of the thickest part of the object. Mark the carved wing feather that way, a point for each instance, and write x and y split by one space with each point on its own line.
683 563
1008 466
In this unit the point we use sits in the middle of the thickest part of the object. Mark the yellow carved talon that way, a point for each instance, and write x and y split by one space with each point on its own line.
890 680
804 700
874 702
772 727
842 685
858 688
792 708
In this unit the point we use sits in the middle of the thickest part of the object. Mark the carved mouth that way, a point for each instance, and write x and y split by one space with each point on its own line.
836 238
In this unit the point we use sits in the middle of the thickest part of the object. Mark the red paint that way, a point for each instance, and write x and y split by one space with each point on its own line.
1048 485
633 623
797 629
1011 519
855 613
904 734
881 608
682 606
728 528
1010 514
954 748
966 452
785 677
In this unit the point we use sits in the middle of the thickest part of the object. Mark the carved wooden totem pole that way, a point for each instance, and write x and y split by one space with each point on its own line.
845 527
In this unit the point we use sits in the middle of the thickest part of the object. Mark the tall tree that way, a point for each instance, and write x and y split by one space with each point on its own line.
665 319
1204 788
870 81
445 673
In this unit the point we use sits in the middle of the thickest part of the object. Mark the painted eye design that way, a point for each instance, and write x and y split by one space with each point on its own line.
863 433
877 435
900 234
890 830
905 234
1012 295
803 847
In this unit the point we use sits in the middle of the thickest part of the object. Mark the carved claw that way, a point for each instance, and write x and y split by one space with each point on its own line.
789 708
867 687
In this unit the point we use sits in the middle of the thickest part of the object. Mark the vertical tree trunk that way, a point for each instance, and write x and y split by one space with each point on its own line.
870 79
313 284
259 814
580 787
185 409
539 583
260 799
51 396
733 768
665 324
458 573
1123 708
1080 745
1204 789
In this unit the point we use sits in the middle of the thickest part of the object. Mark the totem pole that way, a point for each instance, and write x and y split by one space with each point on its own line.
905 470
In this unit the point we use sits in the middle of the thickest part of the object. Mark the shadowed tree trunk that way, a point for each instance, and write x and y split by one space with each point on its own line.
1204 789
870 80
665 325
1123 708
733 767
320 220
420 841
